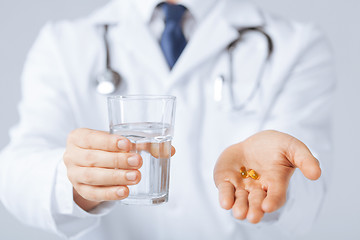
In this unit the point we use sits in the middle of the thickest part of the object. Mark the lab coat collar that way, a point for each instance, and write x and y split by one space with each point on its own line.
242 14
146 8
111 13
214 33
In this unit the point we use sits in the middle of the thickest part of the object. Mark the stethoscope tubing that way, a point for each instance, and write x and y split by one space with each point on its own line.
230 49
107 47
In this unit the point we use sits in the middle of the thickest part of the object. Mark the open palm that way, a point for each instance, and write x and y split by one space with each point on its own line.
274 156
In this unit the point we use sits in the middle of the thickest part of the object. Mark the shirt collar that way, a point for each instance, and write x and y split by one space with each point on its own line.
239 13
198 8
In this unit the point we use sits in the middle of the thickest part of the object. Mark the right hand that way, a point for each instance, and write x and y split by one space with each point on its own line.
100 167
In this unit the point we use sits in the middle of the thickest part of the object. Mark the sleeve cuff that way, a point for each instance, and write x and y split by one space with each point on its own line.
72 221
65 204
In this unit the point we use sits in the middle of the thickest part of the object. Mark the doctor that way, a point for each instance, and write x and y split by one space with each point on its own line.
253 106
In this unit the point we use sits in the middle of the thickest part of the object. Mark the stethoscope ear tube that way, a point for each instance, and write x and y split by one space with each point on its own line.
109 80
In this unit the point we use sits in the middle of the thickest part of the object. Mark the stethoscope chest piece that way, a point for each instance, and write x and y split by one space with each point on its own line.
108 82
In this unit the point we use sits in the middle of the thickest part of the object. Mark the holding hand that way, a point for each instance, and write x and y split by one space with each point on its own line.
274 155
100 167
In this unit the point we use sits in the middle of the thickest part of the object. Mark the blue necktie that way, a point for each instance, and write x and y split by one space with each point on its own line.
172 40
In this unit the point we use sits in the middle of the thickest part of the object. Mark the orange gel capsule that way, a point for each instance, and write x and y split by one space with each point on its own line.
243 172
253 174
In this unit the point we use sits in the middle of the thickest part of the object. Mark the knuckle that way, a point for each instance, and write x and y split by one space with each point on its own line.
67 158
90 158
240 193
72 135
71 176
86 138
227 176
117 159
256 196
91 162
91 134
77 136
87 176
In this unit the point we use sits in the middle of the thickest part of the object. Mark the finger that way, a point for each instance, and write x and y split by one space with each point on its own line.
275 197
241 204
226 195
99 140
160 150
99 194
102 159
255 212
173 151
301 157
105 177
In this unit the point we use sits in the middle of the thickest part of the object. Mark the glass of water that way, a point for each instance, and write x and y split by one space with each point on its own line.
148 122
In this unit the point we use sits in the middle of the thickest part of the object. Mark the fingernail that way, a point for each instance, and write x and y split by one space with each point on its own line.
133 161
131 176
120 192
122 144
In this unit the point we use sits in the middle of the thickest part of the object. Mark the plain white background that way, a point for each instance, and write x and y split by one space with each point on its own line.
20 22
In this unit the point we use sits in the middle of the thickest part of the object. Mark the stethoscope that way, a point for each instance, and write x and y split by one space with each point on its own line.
109 81
224 96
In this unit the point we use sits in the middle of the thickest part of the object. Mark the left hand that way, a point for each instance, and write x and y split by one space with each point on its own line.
274 156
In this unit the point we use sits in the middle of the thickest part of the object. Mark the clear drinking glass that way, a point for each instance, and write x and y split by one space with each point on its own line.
148 122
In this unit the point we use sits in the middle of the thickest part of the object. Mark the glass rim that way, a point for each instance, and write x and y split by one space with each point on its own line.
141 97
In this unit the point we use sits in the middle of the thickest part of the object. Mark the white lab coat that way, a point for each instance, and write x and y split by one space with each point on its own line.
59 96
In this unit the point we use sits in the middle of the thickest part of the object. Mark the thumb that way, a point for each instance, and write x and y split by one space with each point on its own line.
301 157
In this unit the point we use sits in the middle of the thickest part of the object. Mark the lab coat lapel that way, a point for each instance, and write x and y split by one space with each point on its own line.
139 40
216 32
210 38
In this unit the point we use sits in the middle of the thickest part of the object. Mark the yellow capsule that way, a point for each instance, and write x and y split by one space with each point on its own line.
253 174
243 172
